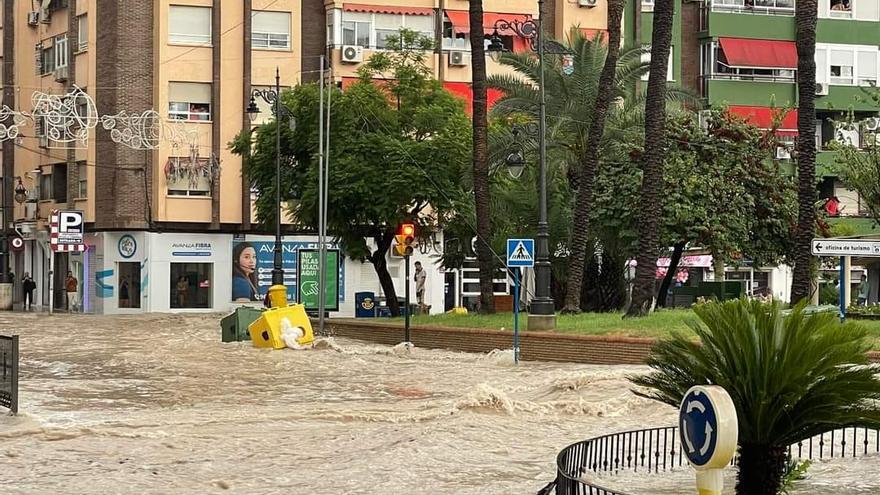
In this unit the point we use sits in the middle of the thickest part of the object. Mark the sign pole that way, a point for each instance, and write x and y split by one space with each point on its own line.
51 282
406 303
842 298
516 316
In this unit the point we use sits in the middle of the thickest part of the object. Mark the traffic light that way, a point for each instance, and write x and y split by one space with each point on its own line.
406 236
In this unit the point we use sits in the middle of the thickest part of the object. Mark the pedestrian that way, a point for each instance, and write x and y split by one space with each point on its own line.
182 291
420 278
28 286
72 287
124 301
864 290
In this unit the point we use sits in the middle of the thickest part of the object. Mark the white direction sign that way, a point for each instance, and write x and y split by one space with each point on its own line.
846 247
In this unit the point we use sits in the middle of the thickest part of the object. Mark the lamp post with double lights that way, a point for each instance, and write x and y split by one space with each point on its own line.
542 311
273 97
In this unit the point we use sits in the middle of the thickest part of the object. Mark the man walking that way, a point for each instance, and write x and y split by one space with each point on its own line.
864 290
72 287
28 286
419 278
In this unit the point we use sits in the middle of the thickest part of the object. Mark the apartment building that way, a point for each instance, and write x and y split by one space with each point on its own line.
145 155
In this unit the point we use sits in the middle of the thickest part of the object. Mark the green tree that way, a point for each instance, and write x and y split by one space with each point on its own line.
790 378
652 168
859 169
396 154
806 14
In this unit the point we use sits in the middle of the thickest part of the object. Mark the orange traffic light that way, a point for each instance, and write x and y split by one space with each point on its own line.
404 240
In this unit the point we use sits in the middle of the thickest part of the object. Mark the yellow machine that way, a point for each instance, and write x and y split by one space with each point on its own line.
266 330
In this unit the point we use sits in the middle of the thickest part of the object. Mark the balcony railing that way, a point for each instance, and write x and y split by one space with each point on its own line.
761 7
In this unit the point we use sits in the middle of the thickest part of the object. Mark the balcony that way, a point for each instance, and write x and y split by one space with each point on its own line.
761 7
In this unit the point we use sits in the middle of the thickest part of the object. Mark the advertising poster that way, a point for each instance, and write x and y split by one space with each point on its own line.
310 279
252 268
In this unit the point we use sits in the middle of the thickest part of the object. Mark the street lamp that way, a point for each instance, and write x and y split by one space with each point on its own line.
21 193
273 97
542 311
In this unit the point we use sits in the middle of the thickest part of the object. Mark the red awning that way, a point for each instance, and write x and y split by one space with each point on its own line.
762 117
461 22
768 54
386 9
592 33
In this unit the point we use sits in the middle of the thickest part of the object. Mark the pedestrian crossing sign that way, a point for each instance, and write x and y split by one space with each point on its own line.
521 252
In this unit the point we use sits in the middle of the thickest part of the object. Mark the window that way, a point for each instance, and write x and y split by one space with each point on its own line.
778 7
670 73
189 25
714 65
48 60
186 177
189 101
82 171
867 68
271 30
847 65
371 30
59 182
191 285
841 68
647 5
45 186
453 40
82 39
840 8
61 51
356 28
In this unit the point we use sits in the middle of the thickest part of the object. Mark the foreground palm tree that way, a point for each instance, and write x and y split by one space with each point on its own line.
652 169
485 257
806 12
589 162
790 378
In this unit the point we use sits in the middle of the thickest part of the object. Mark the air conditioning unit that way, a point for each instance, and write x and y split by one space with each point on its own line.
457 59
352 54
783 153
821 89
848 135
587 3
33 18
61 74
872 124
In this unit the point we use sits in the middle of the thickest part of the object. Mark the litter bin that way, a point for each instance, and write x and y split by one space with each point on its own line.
234 327
365 305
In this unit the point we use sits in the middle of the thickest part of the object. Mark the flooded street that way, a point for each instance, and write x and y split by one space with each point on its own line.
157 404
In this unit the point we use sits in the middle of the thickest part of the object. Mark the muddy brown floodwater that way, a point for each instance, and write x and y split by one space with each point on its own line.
156 404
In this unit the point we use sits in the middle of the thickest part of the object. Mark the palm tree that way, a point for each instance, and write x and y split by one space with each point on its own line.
806 12
655 154
485 257
587 173
790 378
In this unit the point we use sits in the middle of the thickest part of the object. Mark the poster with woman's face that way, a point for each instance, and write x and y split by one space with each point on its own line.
252 263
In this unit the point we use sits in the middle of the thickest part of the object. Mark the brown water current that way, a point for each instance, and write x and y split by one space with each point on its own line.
156 404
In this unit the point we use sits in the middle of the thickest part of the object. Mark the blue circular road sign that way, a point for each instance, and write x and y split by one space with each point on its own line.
699 427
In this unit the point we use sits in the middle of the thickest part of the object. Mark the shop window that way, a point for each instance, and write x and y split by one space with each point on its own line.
189 25
129 293
191 285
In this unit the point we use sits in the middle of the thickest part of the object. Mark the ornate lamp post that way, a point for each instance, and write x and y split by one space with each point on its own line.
273 97
542 311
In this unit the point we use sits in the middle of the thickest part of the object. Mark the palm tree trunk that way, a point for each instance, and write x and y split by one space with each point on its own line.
590 160
761 468
655 154
805 17
677 250
481 158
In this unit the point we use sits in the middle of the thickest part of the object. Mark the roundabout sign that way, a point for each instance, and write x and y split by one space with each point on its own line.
709 431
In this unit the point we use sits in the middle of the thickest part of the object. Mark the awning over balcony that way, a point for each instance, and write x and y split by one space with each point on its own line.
461 22
764 54
762 117
386 9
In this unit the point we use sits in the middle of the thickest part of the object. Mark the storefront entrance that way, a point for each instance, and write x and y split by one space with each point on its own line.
129 293
191 285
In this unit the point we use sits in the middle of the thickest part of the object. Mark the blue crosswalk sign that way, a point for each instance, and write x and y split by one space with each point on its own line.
521 252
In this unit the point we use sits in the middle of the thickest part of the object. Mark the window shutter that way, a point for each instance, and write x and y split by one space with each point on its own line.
189 92
271 22
38 59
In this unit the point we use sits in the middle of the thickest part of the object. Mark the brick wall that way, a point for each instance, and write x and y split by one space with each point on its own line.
534 346
314 34
690 46
125 65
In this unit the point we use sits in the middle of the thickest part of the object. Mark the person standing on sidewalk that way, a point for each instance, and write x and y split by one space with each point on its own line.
28 286
72 287
419 278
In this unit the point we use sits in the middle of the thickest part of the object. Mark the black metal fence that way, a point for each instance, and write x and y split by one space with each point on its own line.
9 372
657 450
